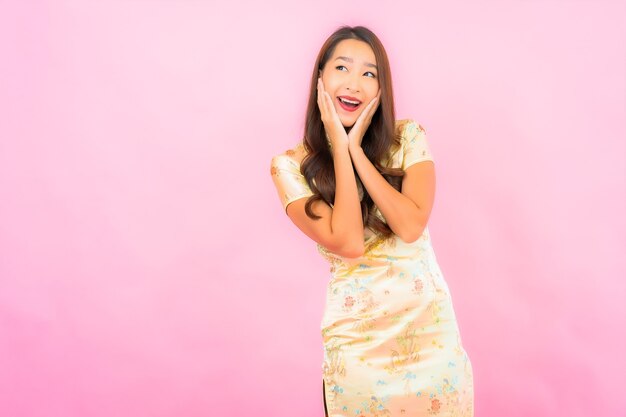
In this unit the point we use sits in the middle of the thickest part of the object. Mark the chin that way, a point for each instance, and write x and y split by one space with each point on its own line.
348 123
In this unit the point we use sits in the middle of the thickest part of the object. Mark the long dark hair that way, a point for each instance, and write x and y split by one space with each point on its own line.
377 142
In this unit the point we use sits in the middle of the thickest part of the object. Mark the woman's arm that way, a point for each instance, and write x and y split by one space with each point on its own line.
340 228
347 219
406 212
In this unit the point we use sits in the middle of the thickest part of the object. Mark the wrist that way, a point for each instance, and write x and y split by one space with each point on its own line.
340 149
355 149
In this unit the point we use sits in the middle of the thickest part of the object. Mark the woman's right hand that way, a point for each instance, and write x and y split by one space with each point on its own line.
332 124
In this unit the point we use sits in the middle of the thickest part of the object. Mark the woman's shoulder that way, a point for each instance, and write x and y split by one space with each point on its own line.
403 124
292 156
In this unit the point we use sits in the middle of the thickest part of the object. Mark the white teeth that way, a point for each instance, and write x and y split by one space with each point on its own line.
348 101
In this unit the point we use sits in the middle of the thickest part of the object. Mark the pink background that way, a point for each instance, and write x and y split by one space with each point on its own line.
147 268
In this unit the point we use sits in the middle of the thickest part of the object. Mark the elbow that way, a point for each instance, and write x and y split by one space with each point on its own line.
410 239
352 250
411 235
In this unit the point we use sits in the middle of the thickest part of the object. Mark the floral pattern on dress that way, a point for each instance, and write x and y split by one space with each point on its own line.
392 345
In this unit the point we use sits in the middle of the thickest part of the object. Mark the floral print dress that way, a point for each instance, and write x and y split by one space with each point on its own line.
392 346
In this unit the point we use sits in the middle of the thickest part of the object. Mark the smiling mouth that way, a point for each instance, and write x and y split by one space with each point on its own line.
348 105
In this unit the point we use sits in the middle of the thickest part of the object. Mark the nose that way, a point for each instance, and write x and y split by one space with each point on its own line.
353 83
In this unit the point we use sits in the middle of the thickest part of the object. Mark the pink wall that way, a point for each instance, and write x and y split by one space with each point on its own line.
146 266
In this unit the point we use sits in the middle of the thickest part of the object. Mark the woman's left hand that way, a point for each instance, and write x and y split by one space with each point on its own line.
355 136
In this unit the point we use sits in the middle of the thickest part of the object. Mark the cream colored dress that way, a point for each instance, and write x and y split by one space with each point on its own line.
392 345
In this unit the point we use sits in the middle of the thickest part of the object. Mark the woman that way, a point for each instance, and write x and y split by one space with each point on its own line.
362 185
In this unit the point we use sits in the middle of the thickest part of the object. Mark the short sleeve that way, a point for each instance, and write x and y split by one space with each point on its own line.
415 146
289 181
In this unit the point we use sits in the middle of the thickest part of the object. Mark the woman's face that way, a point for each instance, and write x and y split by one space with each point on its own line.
351 73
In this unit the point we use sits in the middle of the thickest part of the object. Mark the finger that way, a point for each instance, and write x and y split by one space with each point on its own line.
327 107
376 102
330 107
321 99
368 111
326 95
320 85
374 107
318 91
323 96
365 117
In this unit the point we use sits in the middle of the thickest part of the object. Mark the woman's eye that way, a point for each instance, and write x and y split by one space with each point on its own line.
368 72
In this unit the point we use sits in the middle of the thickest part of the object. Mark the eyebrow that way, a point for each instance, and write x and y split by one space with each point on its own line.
346 58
